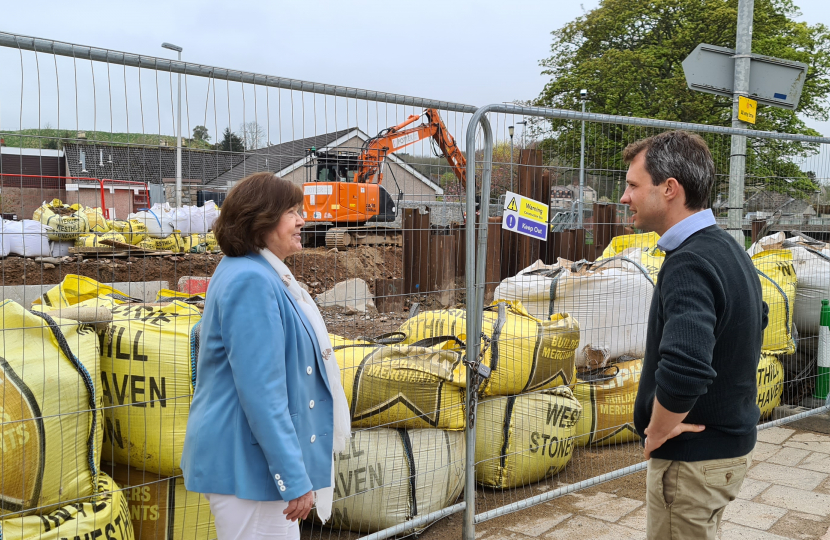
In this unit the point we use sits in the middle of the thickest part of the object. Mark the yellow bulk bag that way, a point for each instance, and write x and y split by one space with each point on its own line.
524 353
778 283
94 240
626 241
133 230
146 374
195 243
770 384
390 476
105 517
608 405
523 439
173 242
641 247
50 434
66 226
167 295
75 289
161 508
212 244
45 209
96 220
401 386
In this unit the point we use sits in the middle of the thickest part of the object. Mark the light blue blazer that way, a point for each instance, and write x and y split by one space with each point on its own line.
261 420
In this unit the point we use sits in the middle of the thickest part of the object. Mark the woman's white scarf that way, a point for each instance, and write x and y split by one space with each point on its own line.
342 419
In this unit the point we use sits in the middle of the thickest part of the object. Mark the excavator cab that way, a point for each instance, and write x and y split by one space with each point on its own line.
332 196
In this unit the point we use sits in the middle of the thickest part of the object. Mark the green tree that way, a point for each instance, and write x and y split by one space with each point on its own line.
628 54
200 133
231 142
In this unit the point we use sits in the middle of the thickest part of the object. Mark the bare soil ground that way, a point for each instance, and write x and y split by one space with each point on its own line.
319 268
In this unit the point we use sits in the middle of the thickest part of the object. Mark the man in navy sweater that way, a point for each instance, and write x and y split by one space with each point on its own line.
696 405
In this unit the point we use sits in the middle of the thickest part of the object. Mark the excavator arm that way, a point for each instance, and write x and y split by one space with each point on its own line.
393 139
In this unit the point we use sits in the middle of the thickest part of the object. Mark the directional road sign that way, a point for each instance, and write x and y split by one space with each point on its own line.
525 216
772 81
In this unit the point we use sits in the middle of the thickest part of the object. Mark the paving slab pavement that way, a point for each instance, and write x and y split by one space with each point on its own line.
786 495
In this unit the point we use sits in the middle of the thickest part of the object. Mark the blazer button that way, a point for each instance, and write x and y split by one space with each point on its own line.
282 488
311 404
280 482
276 477
308 370
313 438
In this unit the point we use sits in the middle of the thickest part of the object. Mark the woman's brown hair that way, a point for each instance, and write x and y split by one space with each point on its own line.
253 208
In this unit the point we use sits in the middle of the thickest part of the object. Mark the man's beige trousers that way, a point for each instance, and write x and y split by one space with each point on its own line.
686 499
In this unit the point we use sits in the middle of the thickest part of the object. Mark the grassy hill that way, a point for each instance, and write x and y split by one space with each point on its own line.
55 139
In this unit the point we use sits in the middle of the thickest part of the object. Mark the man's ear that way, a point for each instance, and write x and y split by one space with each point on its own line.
672 189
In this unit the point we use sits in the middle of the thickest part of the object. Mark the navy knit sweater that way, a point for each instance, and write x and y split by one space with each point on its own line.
705 330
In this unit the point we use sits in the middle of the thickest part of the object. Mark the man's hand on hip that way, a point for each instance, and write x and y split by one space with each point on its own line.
663 426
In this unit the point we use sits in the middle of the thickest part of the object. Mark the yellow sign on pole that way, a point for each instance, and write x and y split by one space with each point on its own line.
746 109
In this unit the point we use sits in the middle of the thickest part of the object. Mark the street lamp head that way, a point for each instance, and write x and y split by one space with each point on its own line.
583 94
510 130
171 47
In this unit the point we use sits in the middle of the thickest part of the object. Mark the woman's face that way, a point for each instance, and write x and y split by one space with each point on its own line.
285 238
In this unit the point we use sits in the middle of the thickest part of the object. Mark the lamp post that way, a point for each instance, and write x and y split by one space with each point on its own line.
583 96
510 130
178 128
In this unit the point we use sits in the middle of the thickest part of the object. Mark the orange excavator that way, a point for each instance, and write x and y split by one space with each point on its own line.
346 200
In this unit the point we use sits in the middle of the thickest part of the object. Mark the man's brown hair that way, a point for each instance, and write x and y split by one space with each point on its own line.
681 155
253 208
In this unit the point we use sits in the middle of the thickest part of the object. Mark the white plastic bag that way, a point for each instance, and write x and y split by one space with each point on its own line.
27 238
202 219
610 299
156 219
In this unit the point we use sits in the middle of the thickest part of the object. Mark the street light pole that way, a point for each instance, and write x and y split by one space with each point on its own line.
178 128
583 96
737 161
510 131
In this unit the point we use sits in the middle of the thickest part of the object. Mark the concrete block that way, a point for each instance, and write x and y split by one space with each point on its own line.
26 294
585 528
193 284
539 526
788 456
800 500
786 476
351 295
750 514
785 411
775 435
752 488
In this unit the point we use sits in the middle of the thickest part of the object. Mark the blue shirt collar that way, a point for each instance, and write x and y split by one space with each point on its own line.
679 232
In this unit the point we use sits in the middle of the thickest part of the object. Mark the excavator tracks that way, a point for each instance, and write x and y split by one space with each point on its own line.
345 238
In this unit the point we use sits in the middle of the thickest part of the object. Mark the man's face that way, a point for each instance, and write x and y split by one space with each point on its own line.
643 198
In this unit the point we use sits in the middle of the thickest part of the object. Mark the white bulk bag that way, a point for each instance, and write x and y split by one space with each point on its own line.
5 239
202 219
27 238
610 299
179 219
156 219
811 261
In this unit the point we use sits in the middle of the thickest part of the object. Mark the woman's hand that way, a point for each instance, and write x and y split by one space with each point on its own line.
299 507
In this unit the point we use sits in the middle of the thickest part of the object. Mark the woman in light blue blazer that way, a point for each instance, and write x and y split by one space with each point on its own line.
268 410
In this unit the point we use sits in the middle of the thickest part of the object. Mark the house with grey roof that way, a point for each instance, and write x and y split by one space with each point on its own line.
292 161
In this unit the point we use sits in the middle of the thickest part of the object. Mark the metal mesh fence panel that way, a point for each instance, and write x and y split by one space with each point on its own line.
535 444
